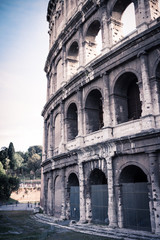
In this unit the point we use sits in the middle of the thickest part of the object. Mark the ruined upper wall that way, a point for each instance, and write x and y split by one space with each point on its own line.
61 12
82 30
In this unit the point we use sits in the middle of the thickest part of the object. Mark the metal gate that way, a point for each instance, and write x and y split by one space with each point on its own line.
74 203
136 206
99 199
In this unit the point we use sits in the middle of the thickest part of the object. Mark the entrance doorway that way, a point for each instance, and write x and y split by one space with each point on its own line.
99 197
135 199
74 197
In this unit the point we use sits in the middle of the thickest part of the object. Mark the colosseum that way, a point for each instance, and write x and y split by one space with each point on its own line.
101 157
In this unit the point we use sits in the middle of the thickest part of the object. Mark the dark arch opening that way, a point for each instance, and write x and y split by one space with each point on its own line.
73 59
74 196
73 50
132 174
73 180
72 122
127 98
94 111
97 177
135 200
93 43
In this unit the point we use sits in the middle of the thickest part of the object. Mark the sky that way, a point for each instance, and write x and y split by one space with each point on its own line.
24 47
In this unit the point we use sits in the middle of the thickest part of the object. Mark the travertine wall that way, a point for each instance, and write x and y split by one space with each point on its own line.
103 107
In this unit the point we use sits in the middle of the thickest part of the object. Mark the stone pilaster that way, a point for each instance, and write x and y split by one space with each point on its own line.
105 31
50 137
48 87
45 142
115 30
155 99
63 210
111 195
140 11
155 188
80 117
81 48
120 206
63 138
147 111
82 194
106 105
64 66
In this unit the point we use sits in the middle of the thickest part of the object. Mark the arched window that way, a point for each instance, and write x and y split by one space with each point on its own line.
57 135
127 98
93 41
94 111
72 122
135 201
72 59
128 20
123 19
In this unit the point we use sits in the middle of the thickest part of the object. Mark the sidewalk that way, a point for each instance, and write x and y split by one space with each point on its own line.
98 230
17 207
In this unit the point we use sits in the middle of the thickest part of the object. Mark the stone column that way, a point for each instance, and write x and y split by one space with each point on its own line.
48 87
45 142
63 210
155 187
154 90
50 139
111 195
105 31
80 117
140 11
64 66
120 206
81 49
147 117
63 139
82 194
115 31
106 105
45 192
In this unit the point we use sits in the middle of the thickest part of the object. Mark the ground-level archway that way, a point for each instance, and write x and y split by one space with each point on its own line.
73 184
99 196
135 199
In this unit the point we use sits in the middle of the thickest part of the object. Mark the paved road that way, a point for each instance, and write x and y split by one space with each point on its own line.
17 207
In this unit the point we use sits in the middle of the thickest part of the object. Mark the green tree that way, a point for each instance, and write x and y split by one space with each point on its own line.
34 164
18 160
7 185
3 155
11 153
2 171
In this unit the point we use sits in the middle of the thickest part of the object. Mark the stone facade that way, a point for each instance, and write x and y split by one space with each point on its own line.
101 158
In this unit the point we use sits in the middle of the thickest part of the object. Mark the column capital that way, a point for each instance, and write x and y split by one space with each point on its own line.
142 53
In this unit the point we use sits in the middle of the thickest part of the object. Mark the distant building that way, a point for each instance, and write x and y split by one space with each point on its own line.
101 160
